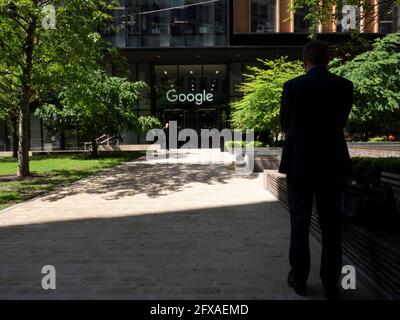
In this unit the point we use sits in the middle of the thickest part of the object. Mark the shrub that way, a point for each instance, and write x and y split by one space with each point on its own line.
367 171
244 144
233 144
259 144
258 109
377 139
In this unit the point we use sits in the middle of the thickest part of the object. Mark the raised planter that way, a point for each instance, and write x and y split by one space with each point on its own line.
263 158
375 253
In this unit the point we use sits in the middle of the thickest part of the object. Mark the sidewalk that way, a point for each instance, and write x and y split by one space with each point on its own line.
162 229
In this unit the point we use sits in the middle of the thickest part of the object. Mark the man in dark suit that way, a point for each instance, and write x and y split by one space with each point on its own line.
314 111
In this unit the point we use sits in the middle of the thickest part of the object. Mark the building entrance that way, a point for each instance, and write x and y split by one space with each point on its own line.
200 119
193 95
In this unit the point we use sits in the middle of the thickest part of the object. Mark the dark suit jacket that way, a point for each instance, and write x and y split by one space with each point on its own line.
314 111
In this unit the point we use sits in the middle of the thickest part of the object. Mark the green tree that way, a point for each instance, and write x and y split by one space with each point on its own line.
41 57
98 105
376 77
9 99
262 89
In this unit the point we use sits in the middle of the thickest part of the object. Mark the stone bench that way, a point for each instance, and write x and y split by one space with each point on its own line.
374 253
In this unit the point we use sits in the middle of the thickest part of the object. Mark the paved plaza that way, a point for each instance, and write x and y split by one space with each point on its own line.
162 229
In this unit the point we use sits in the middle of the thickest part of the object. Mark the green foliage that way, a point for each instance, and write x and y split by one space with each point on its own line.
51 171
368 170
146 123
377 139
38 62
257 144
98 104
59 54
262 90
376 77
243 144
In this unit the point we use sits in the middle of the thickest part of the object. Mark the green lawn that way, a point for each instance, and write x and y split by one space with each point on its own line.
49 171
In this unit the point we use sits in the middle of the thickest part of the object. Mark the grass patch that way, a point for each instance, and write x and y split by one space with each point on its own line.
50 171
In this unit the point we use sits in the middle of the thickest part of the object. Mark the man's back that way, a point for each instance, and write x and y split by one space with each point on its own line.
316 161
314 111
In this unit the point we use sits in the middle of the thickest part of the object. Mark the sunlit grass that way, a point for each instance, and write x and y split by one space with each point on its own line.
50 171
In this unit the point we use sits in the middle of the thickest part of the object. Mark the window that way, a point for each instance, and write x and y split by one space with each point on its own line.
115 31
3 136
301 25
169 23
263 16
254 16
190 78
214 81
389 18
133 22
236 78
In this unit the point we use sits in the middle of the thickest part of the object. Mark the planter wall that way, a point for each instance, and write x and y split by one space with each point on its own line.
375 254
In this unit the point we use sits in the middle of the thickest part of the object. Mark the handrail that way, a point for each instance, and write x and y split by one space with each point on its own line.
102 142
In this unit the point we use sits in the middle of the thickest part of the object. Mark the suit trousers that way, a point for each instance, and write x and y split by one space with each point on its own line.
327 194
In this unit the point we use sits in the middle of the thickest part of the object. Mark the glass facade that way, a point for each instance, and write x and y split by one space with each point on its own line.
35 127
193 95
140 72
263 16
4 136
274 16
301 24
169 23
389 18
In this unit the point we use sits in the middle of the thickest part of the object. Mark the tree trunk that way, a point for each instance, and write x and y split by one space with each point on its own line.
14 136
95 148
23 143
23 125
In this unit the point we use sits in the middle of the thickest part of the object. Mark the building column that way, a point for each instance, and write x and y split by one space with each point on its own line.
330 23
369 19
242 16
284 16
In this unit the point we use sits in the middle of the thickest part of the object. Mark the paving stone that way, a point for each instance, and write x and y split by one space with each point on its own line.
164 229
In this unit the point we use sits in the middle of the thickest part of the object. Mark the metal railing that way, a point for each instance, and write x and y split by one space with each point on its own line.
102 140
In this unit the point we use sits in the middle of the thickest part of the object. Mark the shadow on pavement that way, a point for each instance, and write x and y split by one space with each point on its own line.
152 179
236 252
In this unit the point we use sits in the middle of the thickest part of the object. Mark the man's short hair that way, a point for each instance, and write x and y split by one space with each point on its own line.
316 52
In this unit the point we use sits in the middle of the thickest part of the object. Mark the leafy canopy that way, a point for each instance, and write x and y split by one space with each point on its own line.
262 90
98 105
59 55
376 77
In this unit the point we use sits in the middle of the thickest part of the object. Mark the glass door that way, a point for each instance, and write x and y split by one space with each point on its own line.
193 95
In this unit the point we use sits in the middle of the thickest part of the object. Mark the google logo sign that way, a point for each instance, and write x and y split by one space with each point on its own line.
198 98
